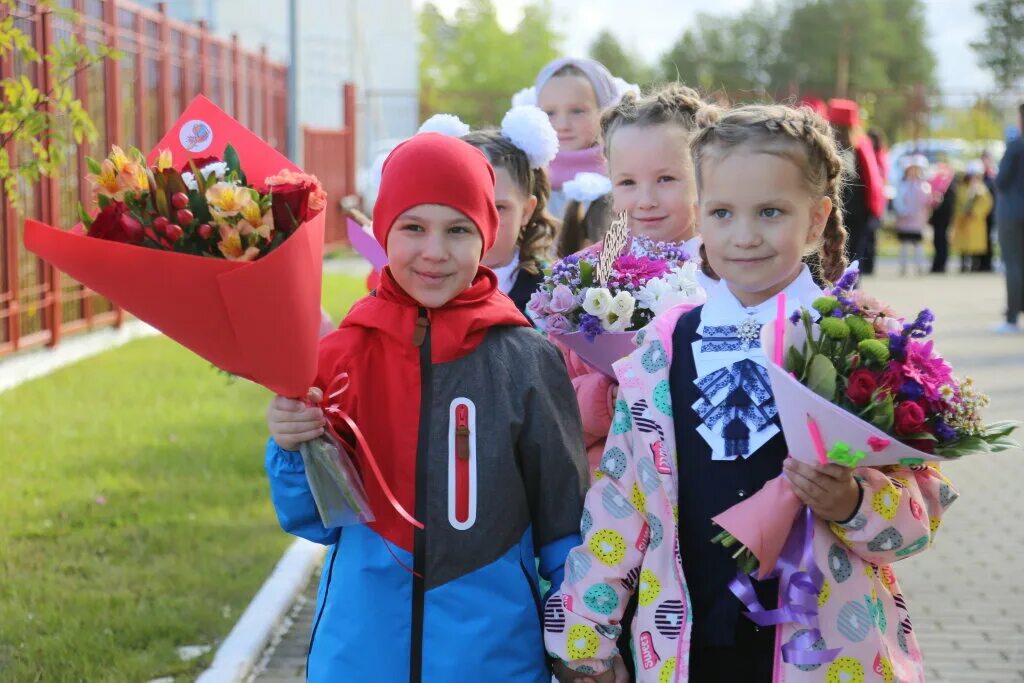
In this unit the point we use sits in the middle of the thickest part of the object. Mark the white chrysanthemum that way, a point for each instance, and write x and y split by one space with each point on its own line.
598 301
529 129
190 180
525 97
652 292
445 124
622 87
587 187
683 279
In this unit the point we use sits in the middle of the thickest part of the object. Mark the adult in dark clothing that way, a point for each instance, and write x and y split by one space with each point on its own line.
944 189
985 260
1010 225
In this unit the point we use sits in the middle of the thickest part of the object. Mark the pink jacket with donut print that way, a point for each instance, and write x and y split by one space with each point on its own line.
862 609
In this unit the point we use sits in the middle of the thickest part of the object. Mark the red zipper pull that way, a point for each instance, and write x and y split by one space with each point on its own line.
462 431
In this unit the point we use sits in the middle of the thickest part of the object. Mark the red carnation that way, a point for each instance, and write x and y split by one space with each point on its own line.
861 386
910 418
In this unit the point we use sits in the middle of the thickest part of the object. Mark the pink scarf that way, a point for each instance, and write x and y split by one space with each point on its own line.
568 163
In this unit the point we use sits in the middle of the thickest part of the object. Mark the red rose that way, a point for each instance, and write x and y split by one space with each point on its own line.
115 223
861 386
910 418
289 204
925 445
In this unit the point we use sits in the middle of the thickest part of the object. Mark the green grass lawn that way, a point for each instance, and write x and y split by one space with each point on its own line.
134 512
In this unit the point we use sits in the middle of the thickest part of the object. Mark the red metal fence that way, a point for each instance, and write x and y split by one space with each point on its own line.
330 155
133 101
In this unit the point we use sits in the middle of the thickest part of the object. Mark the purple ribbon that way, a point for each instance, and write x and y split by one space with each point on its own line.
798 590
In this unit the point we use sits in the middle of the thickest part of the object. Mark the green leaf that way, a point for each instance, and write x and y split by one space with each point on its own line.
821 377
84 216
795 361
103 201
882 413
232 160
586 274
1001 428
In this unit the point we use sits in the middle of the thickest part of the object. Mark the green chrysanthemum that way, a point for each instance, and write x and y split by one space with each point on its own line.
825 305
874 349
836 328
860 327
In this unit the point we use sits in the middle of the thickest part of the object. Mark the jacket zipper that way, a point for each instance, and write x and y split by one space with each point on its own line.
421 338
462 436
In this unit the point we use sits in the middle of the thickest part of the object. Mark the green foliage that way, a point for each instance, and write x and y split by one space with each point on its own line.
622 63
42 125
470 66
134 512
873 50
1002 50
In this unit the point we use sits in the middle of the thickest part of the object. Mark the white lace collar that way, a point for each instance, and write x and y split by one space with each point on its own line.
728 359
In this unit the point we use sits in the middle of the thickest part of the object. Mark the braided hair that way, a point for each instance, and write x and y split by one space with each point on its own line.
797 134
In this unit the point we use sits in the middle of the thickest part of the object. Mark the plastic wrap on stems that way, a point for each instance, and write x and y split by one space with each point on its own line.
602 351
335 483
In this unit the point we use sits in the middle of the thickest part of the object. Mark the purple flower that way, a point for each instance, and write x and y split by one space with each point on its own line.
590 326
944 432
848 280
795 318
897 346
562 299
557 323
911 390
922 325
837 313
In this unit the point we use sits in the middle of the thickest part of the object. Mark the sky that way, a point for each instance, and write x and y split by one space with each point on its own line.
650 27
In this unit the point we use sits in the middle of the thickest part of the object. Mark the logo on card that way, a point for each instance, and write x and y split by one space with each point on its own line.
660 461
648 657
195 135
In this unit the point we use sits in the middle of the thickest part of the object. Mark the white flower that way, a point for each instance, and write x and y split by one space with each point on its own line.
614 323
597 301
670 300
623 305
445 124
587 187
190 180
217 168
526 96
529 129
683 278
652 292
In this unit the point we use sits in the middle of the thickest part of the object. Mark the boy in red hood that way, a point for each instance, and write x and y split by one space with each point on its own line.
473 421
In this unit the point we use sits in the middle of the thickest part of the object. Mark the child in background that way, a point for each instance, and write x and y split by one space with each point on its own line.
573 92
970 216
519 152
647 144
471 418
913 205
588 212
770 191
